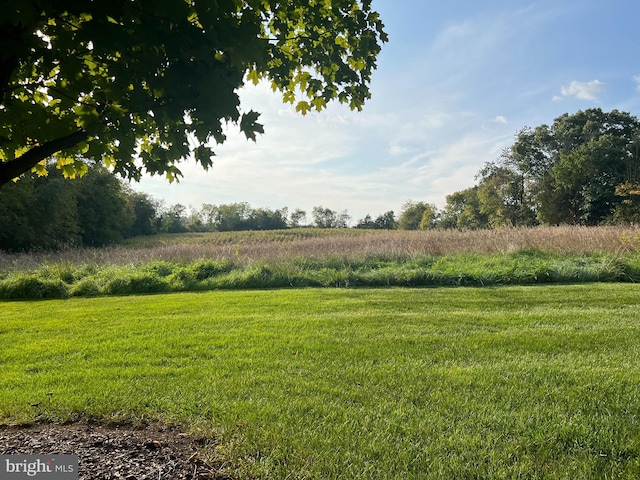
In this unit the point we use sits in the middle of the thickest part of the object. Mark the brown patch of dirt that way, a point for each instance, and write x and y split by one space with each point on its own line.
115 452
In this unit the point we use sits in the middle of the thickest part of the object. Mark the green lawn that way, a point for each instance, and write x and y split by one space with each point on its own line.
510 382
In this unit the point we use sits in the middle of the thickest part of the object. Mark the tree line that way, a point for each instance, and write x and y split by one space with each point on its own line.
584 169
97 209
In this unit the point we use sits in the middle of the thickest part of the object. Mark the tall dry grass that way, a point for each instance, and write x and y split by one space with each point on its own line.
247 247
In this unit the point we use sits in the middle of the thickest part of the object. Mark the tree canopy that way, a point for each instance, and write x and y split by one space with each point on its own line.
583 169
140 85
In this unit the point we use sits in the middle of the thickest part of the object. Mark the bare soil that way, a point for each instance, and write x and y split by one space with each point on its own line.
115 452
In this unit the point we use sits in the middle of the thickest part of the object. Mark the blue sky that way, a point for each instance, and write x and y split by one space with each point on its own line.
454 84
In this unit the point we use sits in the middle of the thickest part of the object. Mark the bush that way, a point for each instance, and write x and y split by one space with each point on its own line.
135 284
85 288
32 288
211 268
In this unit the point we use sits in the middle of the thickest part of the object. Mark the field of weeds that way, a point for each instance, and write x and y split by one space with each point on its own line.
278 245
327 258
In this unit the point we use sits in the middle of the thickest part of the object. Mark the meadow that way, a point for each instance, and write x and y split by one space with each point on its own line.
520 378
466 383
327 258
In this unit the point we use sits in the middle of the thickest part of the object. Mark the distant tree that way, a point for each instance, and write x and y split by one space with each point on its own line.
194 221
141 84
503 197
103 210
628 210
323 217
174 219
297 218
572 169
58 212
462 210
343 220
265 219
209 216
327 218
430 218
417 216
232 217
145 210
17 208
386 221
366 223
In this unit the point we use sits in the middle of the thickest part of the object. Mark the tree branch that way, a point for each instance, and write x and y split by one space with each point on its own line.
28 160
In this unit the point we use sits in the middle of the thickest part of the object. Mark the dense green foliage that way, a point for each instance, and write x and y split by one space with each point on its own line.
54 212
51 212
157 80
584 169
327 218
417 216
384 221
499 383
519 268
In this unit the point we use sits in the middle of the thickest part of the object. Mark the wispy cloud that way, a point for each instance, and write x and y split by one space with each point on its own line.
582 90
449 91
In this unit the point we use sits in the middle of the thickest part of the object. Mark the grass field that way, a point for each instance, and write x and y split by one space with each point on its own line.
465 383
327 258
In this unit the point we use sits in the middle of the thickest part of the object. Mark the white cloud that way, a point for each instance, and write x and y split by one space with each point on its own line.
501 119
637 80
582 90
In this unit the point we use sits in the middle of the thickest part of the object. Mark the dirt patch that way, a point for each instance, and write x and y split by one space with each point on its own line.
106 453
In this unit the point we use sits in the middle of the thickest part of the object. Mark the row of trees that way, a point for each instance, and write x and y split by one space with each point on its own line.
45 212
51 211
234 217
584 169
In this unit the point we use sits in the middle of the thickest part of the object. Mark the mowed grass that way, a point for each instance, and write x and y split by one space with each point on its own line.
465 383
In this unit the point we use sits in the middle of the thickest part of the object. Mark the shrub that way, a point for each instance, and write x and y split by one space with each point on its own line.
211 268
161 269
135 284
85 288
31 287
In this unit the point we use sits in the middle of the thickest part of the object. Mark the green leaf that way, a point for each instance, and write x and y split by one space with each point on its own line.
128 81
253 76
289 97
250 126
319 103
303 107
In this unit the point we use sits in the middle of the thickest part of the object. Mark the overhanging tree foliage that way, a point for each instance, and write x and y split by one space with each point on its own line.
157 80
